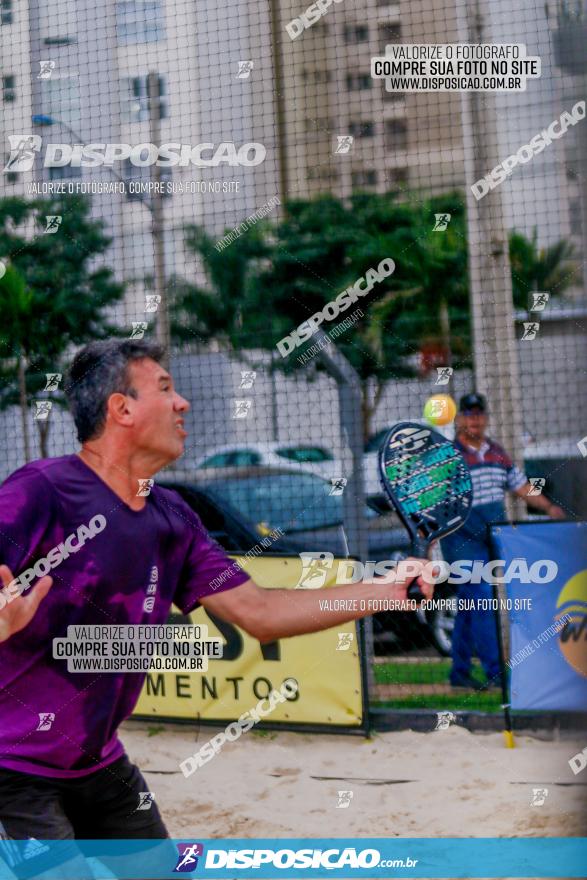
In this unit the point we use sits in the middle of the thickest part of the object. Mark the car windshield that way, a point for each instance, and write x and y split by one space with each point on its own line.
294 502
305 454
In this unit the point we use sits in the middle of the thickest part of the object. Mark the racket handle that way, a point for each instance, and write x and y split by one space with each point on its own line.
419 549
414 592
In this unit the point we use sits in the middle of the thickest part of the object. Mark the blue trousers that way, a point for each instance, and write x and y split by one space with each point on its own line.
474 634
474 631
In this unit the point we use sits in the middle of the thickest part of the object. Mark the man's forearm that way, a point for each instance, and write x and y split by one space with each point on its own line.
270 614
295 612
539 502
4 629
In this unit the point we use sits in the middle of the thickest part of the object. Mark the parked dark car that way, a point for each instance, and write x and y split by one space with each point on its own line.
240 505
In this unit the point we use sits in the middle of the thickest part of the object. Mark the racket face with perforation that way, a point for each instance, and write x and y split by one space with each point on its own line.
427 481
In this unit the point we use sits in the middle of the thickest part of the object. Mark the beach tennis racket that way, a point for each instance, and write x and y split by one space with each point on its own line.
428 483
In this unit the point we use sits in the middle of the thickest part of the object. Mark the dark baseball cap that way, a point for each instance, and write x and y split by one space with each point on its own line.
472 401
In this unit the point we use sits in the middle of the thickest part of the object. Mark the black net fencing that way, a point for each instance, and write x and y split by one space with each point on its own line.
323 247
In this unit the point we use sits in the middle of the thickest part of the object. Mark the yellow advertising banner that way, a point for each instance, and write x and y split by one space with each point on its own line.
325 665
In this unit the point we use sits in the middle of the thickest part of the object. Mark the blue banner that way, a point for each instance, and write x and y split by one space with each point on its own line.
288 858
545 573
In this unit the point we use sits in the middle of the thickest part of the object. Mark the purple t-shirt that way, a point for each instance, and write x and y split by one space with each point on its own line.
161 552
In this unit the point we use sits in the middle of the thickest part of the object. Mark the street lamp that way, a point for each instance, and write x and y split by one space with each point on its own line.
154 206
43 120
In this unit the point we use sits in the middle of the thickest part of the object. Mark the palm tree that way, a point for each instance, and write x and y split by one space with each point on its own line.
552 269
215 311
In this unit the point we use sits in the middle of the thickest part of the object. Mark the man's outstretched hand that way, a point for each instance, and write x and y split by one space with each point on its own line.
19 611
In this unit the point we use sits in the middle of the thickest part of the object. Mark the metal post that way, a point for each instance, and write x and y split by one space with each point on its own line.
24 409
351 425
353 498
495 354
157 218
273 378
505 688
277 52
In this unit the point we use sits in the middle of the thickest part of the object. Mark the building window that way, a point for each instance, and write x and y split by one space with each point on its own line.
357 82
139 21
59 41
364 178
6 12
362 129
389 33
356 33
396 134
137 99
9 89
144 174
317 76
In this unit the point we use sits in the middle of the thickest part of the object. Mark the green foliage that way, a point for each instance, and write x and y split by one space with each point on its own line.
53 295
17 312
154 729
217 311
267 282
552 269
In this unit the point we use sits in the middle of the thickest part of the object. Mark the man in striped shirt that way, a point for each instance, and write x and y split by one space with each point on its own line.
493 473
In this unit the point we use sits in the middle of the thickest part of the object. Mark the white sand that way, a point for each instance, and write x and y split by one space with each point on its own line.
460 784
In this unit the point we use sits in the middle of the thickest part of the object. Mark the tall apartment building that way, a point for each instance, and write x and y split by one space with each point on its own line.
540 194
568 27
413 141
16 85
401 141
97 92
94 90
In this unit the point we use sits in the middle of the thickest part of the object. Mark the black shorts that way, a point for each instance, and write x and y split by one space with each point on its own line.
100 806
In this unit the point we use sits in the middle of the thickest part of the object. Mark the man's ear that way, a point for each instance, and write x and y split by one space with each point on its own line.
118 409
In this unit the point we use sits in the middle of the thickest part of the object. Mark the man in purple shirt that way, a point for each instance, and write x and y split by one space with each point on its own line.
116 557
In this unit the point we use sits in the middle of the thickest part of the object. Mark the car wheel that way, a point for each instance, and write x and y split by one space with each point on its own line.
441 625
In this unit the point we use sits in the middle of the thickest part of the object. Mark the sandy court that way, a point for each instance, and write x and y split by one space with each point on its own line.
449 783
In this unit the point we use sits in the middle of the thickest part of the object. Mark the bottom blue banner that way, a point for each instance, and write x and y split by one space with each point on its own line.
265 858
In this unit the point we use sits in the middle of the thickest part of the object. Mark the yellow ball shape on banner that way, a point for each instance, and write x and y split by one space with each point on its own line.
572 603
440 409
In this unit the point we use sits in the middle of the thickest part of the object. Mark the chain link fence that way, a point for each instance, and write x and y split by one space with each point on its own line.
292 173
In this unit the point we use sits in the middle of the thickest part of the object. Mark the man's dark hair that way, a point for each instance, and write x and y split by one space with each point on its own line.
99 370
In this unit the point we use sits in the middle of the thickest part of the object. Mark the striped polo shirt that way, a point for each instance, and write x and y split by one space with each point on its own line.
492 471
493 474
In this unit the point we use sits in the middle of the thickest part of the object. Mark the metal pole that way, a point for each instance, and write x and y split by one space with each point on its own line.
157 218
277 52
495 354
273 378
505 690
24 410
353 498
351 424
